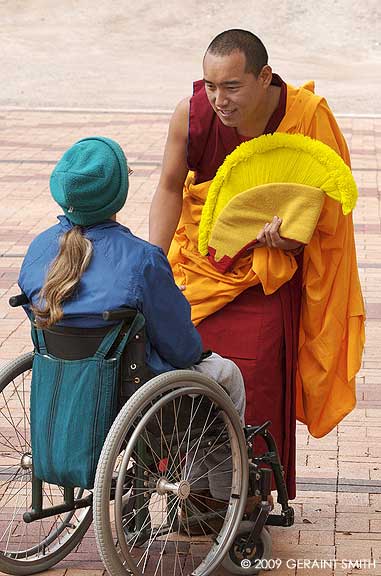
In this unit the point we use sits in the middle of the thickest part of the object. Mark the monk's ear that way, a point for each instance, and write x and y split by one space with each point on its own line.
265 76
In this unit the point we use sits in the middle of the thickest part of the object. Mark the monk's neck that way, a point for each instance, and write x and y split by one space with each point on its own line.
257 124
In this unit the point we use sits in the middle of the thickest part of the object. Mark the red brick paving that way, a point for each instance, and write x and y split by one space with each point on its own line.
341 518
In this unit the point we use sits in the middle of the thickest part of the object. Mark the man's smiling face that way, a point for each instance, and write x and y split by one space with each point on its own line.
234 94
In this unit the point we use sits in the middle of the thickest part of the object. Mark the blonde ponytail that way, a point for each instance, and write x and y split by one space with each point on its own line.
63 277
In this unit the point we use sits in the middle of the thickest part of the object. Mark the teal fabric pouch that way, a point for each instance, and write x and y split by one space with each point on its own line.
73 405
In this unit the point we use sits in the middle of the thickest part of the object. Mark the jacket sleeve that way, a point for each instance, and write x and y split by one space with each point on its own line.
167 313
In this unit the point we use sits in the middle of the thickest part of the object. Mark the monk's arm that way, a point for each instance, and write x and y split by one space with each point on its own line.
168 199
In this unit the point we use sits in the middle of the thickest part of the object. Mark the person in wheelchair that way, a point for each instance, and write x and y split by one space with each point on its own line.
88 263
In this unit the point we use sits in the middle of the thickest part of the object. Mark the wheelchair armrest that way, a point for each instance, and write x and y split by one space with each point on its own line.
120 314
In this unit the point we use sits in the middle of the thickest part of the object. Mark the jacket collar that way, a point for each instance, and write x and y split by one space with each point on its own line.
67 225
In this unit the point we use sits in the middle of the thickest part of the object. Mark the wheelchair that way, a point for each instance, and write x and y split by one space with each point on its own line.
174 434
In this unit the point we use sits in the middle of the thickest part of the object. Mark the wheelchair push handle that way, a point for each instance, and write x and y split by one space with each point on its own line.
18 300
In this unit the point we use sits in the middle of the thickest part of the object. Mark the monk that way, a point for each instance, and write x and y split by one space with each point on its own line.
297 338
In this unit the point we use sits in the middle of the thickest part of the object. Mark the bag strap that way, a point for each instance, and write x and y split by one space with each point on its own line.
39 339
136 325
110 338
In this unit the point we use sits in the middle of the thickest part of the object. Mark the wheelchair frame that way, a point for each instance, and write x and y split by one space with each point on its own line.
251 542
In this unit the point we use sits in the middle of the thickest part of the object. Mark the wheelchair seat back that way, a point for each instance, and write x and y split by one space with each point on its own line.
72 343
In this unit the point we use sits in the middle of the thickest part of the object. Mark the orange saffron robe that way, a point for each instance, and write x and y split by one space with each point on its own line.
331 335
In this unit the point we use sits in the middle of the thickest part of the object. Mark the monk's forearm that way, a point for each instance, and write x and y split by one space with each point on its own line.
164 216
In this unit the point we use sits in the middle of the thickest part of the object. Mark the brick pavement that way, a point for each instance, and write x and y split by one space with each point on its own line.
339 477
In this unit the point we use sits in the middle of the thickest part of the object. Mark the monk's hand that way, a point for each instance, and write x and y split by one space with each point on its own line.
269 236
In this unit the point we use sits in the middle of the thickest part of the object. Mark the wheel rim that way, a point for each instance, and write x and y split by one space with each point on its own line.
170 493
41 540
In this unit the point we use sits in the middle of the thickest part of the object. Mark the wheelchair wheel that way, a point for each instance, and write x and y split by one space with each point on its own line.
243 560
27 548
151 511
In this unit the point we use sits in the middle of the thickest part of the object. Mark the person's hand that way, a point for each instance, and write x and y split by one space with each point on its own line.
269 236
181 287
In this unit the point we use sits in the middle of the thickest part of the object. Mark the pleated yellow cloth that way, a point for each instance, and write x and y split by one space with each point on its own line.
284 175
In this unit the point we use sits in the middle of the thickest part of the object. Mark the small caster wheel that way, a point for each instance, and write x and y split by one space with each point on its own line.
247 561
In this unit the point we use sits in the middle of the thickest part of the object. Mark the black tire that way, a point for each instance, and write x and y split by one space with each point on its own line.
247 563
159 419
37 546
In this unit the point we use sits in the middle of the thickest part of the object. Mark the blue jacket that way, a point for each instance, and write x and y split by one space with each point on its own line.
124 271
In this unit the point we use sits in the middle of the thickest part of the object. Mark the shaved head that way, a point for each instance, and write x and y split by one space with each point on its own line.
246 42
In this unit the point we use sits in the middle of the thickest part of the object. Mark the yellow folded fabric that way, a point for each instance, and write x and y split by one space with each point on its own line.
274 159
244 216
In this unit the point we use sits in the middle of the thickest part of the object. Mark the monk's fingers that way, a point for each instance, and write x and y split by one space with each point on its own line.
260 243
261 234
261 238
272 234
274 240
267 233
275 225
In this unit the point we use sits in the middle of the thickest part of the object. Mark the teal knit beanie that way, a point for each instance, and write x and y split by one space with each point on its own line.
90 182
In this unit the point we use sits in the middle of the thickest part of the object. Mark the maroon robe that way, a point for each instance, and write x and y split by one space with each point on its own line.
259 333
